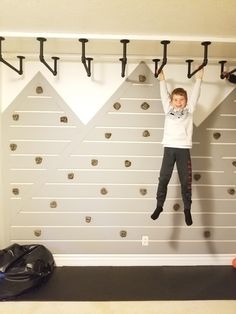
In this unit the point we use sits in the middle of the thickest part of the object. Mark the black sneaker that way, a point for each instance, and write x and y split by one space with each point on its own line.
157 212
188 217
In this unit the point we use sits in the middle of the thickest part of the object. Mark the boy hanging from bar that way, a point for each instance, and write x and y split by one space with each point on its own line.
177 142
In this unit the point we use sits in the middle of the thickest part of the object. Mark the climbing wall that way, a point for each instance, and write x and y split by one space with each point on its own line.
91 189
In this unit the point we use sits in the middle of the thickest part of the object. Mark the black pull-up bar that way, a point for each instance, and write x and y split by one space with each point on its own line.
41 57
20 70
204 63
222 70
86 61
124 59
164 60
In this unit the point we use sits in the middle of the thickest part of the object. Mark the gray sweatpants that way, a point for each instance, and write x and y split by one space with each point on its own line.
181 157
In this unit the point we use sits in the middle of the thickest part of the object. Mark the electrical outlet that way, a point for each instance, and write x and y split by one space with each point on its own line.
145 240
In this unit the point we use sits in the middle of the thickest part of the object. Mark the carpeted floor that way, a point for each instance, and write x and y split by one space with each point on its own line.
136 284
134 307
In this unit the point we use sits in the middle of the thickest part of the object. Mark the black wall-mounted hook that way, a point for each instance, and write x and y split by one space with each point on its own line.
86 61
222 65
20 71
124 58
223 73
204 63
41 57
164 60
156 66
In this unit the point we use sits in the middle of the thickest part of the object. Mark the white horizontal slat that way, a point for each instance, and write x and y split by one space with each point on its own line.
123 219
41 133
135 247
225 136
130 175
211 178
136 120
114 162
121 205
85 205
86 176
39 147
29 161
212 191
133 233
26 175
117 134
119 176
30 90
126 190
17 191
205 163
94 190
229 106
39 104
84 172
138 91
41 119
214 149
130 191
134 106
122 148
224 122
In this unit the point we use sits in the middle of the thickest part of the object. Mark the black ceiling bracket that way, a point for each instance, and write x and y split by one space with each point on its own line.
156 66
41 57
222 69
124 58
224 73
164 60
20 70
86 61
204 63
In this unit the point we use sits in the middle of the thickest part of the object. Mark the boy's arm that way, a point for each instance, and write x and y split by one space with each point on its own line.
196 91
165 97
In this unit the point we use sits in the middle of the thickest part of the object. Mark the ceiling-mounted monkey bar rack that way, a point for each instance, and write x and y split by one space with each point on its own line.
20 70
222 70
41 56
87 60
124 59
164 60
204 63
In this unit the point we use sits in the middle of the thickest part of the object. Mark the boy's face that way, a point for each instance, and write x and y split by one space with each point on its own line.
179 101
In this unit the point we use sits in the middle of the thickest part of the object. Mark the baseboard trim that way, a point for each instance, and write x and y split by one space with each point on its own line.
142 260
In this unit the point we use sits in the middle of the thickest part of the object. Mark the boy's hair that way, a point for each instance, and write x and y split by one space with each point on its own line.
179 91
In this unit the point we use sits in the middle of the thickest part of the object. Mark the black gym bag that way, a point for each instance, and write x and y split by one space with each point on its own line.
23 267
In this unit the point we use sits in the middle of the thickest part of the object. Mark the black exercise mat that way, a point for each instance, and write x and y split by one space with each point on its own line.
136 284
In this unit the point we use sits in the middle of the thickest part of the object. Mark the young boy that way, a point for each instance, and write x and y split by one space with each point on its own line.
177 142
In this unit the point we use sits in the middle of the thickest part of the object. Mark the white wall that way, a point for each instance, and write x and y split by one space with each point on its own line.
2 231
87 95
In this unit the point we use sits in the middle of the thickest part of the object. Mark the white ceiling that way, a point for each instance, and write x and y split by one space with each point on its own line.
104 22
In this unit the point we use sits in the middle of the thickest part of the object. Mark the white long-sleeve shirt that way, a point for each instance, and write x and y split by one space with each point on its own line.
178 127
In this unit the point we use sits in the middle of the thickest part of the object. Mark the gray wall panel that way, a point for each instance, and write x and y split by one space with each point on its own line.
91 189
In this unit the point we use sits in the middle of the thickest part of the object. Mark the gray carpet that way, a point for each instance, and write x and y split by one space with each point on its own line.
136 284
